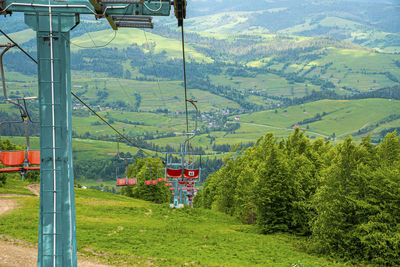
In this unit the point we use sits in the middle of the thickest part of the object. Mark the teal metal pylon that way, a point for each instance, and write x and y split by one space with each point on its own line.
53 20
57 228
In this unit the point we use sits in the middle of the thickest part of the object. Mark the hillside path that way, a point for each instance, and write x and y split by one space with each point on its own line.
34 188
20 253
12 255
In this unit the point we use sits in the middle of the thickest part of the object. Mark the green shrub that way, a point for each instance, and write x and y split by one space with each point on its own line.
141 170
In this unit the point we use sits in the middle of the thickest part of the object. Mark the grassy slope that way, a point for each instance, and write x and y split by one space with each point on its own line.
15 186
122 230
127 37
343 117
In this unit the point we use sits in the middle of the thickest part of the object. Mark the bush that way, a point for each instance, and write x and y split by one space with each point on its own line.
6 145
141 170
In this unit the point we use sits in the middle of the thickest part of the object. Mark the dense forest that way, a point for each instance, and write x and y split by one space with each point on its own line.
344 197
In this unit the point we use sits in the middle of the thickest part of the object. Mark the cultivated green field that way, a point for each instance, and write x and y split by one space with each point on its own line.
123 231
342 117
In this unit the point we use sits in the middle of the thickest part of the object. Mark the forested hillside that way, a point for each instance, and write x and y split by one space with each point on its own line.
331 67
344 197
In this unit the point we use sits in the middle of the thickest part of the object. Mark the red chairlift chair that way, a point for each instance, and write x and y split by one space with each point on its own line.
174 173
33 159
15 159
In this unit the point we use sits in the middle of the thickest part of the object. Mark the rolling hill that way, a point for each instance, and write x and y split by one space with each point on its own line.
272 63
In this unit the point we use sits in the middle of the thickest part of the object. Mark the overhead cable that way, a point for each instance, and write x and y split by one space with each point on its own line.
20 48
184 78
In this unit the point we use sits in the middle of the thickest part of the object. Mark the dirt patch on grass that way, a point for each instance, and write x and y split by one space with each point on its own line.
24 254
34 188
12 255
7 205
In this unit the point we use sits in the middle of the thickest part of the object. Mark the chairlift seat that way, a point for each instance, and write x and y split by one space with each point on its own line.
33 159
147 182
172 188
168 184
191 174
132 181
121 182
174 173
160 180
12 158
153 182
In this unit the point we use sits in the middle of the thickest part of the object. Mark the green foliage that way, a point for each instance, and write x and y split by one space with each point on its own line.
144 170
357 206
269 184
7 145
15 185
347 197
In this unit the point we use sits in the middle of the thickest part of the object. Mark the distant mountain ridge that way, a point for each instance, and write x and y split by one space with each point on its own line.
371 24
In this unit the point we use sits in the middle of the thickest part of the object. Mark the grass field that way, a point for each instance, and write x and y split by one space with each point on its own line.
15 186
127 37
342 117
84 149
124 231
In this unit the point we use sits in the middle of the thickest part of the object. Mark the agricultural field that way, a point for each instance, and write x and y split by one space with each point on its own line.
342 117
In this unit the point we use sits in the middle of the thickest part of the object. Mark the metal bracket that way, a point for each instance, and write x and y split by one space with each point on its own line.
2 7
180 11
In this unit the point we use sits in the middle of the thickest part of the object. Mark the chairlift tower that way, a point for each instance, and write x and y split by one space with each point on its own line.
53 20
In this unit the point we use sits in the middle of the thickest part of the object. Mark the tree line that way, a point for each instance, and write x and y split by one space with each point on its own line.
345 198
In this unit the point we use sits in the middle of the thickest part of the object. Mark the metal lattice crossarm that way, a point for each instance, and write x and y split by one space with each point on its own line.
112 10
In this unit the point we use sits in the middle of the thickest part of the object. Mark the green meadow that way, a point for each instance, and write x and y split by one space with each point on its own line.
123 231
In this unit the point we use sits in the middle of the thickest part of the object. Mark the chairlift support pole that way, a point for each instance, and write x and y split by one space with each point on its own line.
53 20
